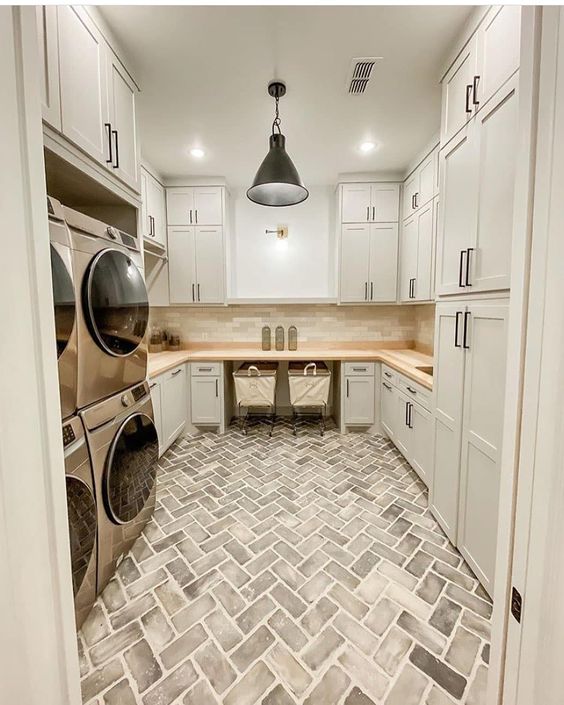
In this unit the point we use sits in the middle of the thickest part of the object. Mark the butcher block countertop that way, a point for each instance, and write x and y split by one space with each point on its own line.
401 359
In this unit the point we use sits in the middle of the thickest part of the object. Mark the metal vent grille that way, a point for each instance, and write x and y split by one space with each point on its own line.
359 74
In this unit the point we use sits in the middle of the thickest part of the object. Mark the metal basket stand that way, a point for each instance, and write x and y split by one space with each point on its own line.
310 414
256 416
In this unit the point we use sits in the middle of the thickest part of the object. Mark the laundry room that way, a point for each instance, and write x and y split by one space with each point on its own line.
280 312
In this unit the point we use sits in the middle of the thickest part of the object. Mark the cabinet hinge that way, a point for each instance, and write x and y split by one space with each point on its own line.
516 604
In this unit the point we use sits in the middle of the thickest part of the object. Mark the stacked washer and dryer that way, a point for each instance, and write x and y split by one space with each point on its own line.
109 435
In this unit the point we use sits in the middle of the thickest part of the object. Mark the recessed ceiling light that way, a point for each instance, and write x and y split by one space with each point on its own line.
197 152
367 147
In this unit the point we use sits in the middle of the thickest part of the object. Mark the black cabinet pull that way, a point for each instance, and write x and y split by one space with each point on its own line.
411 390
387 374
467 278
468 91
461 269
347 387
190 216
367 213
406 413
467 315
196 215
475 100
216 387
366 291
371 291
410 423
198 292
177 372
456 327
193 297
108 126
388 386
373 213
415 198
116 138
413 202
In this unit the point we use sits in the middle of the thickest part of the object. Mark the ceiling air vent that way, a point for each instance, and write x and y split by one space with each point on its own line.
360 73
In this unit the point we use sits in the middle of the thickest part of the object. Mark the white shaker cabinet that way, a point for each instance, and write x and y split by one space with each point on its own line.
359 400
389 408
48 55
368 263
122 95
458 106
196 265
153 209
83 83
370 203
469 387
155 388
205 400
477 185
420 186
174 396
195 205
417 244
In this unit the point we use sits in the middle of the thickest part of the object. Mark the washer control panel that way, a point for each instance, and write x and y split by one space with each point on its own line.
68 435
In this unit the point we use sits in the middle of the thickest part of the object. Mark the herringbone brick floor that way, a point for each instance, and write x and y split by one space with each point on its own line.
283 571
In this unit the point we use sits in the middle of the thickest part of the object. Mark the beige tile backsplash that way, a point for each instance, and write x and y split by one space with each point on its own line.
315 322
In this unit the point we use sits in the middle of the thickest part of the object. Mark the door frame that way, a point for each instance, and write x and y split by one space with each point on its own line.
37 619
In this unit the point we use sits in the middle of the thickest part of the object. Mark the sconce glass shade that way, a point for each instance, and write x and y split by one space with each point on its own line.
277 182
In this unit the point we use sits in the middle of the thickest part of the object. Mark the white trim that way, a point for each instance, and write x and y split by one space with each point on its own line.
39 664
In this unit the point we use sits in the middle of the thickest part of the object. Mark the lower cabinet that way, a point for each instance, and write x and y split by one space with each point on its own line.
169 397
359 394
205 394
407 422
469 389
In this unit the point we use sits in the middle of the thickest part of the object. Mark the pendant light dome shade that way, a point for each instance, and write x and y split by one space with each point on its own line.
277 182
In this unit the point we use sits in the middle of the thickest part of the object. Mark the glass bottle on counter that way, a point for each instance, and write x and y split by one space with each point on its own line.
292 338
279 338
266 338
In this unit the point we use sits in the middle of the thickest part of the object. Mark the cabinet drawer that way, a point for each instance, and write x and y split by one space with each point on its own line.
353 369
389 375
206 369
415 391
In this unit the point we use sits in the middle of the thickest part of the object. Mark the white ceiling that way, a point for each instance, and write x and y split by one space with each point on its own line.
203 72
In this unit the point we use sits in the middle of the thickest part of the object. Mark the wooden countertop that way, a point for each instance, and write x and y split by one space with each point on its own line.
404 360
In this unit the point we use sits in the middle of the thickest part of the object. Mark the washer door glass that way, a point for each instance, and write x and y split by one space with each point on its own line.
63 298
116 305
82 528
131 468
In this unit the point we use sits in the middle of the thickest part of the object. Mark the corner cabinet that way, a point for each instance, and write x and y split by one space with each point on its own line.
196 253
368 242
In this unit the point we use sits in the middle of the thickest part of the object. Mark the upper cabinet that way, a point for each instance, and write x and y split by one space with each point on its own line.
153 209
370 203
196 205
484 64
421 185
417 247
87 94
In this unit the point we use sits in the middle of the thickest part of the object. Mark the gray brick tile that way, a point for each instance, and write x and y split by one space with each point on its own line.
252 648
216 667
143 665
183 646
442 674
251 687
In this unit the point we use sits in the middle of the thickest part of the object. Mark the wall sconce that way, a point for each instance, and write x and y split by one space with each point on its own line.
281 232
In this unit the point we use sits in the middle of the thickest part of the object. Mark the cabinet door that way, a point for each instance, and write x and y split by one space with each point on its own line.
155 387
408 262
497 123
426 188
122 96
146 230
409 190
355 204
499 43
180 206
83 83
359 401
46 16
384 203
421 447
209 265
403 430
448 391
389 408
383 262
484 390
355 255
205 400
181 265
208 209
156 199
459 205
457 105
422 286
174 404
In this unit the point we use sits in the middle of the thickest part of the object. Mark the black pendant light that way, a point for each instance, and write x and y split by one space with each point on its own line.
277 182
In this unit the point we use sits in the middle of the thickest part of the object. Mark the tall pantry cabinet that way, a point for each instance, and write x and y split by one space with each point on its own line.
477 175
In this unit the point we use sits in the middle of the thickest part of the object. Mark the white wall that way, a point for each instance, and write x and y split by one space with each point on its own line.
302 266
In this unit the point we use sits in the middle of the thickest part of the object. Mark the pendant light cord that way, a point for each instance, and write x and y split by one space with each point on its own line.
276 122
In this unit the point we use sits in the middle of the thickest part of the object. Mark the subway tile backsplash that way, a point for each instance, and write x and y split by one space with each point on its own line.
315 322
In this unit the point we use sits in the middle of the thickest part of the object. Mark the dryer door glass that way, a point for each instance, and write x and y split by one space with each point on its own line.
116 305
82 528
131 468
63 298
